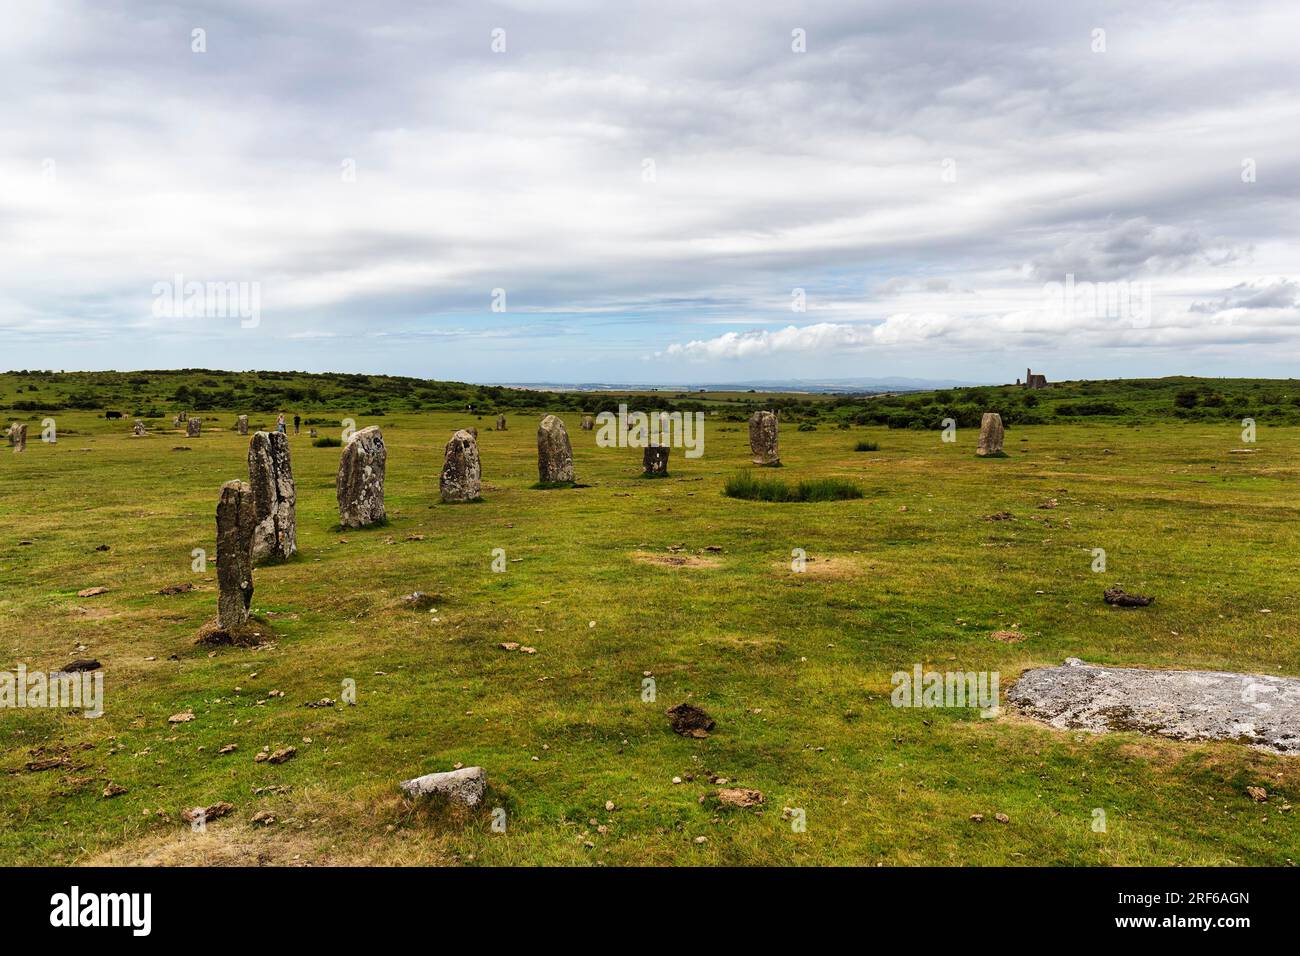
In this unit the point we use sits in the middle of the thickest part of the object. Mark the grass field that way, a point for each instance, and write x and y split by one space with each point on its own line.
614 581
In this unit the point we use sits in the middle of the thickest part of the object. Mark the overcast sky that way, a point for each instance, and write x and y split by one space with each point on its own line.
586 191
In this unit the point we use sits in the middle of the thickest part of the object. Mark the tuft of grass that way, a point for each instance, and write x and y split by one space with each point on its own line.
325 441
745 486
867 446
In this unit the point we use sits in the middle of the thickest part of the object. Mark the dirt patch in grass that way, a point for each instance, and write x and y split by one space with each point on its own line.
826 568
675 560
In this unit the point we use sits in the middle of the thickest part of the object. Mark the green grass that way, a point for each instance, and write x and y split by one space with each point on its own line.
745 485
795 667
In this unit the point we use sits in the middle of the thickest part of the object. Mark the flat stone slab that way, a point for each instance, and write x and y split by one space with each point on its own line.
1254 709
465 786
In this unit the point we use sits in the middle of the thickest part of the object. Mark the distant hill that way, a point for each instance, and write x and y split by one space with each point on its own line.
802 385
160 394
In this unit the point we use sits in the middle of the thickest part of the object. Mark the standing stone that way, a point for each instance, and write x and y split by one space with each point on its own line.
360 483
275 534
311 433
241 423
473 431
587 423
235 520
554 452
138 429
763 441
501 423
462 475
655 461
192 427
11 433
990 442
18 433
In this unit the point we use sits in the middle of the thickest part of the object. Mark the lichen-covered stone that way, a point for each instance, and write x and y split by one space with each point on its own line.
241 424
465 786
764 441
235 520
461 478
360 483
193 427
991 435
270 475
1256 709
554 451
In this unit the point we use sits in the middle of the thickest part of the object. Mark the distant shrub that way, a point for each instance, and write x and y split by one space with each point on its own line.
326 441
867 446
1089 408
747 486
807 427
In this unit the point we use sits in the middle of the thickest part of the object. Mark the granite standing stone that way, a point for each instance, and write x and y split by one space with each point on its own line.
241 423
193 426
270 475
764 439
990 442
360 483
461 478
138 429
501 423
235 521
655 460
20 437
554 452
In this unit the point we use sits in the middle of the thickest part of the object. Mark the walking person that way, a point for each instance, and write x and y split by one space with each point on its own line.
279 423
297 423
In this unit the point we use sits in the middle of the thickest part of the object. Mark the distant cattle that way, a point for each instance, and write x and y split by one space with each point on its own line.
112 414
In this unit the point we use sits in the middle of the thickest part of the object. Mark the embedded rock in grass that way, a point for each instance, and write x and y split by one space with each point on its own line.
235 520
193 427
554 452
461 478
1118 597
360 483
275 535
1256 709
465 786
689 721
991 435
654 461
763 438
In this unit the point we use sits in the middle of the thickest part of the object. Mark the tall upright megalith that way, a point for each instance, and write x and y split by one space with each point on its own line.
461 478
193 427
360 483
241 424
554 451
501 423
991 435
763 439
270 475
18 436
235 520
